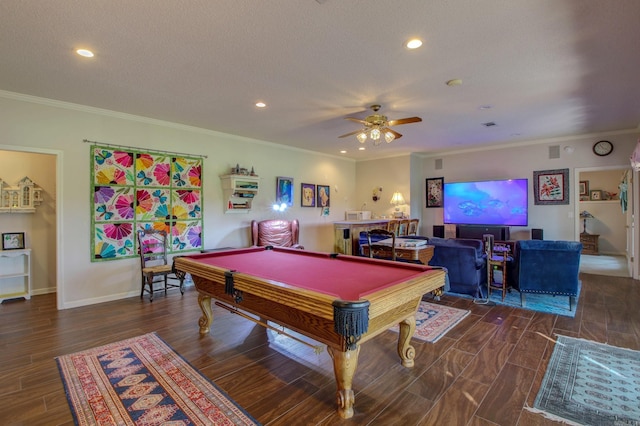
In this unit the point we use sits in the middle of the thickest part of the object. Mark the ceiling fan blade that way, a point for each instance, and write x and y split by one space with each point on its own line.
357 120
351 133
404 121
395 134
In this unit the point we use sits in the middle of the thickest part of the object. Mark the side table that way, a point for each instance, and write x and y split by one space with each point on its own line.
589 243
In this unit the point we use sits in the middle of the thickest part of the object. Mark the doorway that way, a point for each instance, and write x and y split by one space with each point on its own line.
599 214
42 228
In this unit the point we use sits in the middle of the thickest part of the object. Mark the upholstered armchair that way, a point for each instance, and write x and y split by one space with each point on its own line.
548 267
275 232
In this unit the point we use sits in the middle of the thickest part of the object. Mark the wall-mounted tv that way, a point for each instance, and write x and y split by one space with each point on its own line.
491 202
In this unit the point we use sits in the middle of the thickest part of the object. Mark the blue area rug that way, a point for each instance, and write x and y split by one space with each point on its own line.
558 305
590 383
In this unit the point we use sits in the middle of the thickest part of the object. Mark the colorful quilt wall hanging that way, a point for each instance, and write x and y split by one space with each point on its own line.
134 190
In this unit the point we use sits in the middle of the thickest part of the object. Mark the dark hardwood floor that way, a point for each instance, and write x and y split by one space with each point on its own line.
483 372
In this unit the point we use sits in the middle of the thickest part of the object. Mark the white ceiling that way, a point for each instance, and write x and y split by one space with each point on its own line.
548 68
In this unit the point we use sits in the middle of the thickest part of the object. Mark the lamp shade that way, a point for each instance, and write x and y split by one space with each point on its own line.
586 215
397 199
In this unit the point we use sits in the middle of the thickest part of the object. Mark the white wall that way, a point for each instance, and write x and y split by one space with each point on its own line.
391 174
41 124
558 221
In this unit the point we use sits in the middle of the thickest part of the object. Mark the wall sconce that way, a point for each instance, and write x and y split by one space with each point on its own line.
376 193
397 200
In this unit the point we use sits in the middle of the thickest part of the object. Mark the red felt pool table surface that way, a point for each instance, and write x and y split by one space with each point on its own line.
345 277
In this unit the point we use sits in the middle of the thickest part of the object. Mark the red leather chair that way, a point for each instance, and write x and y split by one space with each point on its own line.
275 232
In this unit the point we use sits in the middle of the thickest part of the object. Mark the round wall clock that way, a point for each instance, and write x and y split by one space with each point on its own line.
602 148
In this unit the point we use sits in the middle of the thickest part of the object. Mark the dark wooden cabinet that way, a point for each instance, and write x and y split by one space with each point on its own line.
589 243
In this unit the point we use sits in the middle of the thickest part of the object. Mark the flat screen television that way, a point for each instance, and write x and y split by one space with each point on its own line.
490 202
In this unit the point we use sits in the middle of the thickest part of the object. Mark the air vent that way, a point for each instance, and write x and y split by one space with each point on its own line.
489 124
554 151
438 163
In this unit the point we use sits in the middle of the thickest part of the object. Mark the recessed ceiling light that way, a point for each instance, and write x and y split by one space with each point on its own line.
261 104
343 152
414 43
84 52
361 148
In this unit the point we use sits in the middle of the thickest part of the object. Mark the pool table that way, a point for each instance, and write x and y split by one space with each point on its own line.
338 300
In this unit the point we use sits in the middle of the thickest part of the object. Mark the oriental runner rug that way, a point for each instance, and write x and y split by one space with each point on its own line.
434 321
589 383
142 381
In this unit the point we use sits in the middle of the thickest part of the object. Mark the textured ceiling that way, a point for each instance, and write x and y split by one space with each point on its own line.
547 68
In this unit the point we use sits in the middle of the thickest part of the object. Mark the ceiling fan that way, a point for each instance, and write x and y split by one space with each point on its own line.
377 125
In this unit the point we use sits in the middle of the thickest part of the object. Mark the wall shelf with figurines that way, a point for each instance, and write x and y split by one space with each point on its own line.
21 198
239 189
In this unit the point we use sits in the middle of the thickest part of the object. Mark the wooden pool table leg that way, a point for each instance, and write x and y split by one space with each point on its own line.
344 367
405 350
207 314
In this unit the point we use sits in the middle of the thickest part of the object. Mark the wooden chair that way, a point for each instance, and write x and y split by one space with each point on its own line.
154 266
276 232
403 228
393 226
381 251
413 227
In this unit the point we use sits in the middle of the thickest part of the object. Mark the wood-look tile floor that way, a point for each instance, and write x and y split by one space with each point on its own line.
485 371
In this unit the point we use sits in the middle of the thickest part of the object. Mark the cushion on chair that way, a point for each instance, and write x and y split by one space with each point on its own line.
275 232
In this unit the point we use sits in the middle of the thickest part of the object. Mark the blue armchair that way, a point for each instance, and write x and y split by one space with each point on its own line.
465 261
548 267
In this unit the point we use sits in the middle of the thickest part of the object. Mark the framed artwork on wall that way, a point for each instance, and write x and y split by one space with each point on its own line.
307 195
284 190
551 187
435 192
323 198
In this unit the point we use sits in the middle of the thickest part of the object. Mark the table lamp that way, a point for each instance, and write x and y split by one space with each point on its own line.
397 199
585 215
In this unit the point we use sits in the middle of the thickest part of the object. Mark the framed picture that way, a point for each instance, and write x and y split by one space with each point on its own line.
308 195
596 195
323 199
551 187
584 187
284 190
435 192
12 240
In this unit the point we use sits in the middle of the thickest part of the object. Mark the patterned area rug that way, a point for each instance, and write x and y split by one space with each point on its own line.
142 381
590 383
433 321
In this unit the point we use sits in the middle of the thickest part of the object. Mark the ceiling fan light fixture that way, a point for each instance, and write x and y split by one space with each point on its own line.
362 137
375 134
389 137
